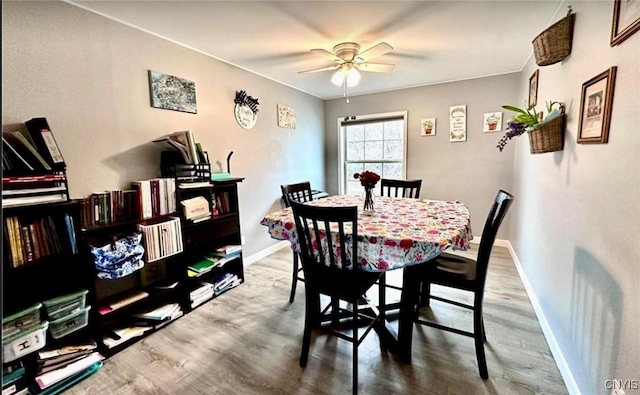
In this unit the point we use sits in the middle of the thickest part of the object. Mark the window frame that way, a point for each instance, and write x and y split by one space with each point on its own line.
372 118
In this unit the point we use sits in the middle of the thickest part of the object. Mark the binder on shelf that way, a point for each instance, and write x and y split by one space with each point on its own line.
26 150
45 143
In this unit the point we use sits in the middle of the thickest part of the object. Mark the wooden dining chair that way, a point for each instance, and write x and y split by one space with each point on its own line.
468 275
396 188
331 268
299 192
400 188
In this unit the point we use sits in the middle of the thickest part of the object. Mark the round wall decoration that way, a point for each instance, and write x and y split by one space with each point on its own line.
244 116
245 110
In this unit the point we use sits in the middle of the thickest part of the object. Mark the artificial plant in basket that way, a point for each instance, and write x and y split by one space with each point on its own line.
528 120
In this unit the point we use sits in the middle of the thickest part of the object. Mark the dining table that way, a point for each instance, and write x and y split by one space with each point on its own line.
400 233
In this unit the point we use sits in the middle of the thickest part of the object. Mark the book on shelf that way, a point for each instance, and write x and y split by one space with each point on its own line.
231 249
225 282
202 266
160 313
122 302
12 160
202 289
166 285
183 142
195 208
39 199
21 146
43 140
122 335
65 353
48 379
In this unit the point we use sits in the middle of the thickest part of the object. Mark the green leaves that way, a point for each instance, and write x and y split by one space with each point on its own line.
528 118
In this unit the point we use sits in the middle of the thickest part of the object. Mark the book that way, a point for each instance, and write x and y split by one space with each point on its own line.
45 143
58 354
26 151
49 378
122 335
231 249
184 142
38 199
160 313
17 162
122 302
22 140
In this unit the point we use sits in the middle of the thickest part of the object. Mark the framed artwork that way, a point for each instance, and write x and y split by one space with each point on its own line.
458 123
492 122
595 108
626 20
428 127
286 117
533 89
172 93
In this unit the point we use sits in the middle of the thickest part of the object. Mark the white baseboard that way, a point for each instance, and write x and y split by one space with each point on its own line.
264 253
563 366
497 242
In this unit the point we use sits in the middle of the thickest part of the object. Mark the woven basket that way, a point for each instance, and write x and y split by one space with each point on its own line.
554 44
548 137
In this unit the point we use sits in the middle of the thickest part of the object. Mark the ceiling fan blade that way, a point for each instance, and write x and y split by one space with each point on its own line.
376 67
326 54
373 52
319 69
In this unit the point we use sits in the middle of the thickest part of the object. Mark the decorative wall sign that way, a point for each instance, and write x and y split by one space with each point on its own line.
492 122
428 127
286 117
172 93
458 123
245 110
595 107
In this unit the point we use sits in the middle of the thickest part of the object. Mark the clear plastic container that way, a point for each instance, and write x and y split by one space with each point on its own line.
69 323
24 342
21 320
62 306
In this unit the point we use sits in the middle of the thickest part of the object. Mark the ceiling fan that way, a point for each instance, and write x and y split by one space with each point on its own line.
350 62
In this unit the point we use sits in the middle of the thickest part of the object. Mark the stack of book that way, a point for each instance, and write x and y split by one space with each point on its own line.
33 167
201 267
158 317
121 335
196 209
201 294
66 363
14 381
225 283
224 254
155 197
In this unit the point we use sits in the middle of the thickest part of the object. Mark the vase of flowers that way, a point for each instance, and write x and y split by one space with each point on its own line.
368 180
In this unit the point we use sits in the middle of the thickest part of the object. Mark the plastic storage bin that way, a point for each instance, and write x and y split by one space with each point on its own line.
69 323
24 342
21 320
62 306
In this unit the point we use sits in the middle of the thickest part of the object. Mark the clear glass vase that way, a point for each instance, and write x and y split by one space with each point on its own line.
368 200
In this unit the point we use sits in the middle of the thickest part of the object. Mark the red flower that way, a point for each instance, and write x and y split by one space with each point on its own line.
288 226
406 243
390 243
368 179
373 240
382 265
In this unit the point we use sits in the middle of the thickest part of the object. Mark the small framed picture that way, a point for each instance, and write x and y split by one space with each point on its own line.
595 108
492 122
533 89
428 127
626 20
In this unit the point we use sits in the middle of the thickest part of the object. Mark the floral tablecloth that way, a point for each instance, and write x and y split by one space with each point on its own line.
400 232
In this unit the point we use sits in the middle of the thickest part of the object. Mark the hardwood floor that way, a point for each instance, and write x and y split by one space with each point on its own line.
248 342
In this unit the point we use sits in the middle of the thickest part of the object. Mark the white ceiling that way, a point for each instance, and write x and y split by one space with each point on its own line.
434 41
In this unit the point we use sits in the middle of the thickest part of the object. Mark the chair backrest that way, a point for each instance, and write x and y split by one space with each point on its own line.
501 205
320 247
300 192
400 188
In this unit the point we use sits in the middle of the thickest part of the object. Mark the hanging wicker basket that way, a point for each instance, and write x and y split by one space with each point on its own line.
554 44
548 137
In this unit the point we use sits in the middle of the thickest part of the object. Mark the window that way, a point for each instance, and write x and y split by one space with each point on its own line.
372 142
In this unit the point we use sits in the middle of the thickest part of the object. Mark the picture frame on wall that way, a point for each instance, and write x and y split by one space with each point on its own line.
595 108
626 20
533 89
169 92
428 127
492 122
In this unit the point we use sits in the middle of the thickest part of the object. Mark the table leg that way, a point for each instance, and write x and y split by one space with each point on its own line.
408 303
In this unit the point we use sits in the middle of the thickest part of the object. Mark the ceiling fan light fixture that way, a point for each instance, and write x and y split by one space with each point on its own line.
353 77
338 77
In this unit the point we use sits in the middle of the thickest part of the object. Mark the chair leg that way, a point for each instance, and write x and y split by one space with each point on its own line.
311 319
478 332
355 348
294 280
425 293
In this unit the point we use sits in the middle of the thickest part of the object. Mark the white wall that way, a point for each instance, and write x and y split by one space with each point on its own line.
88 76
576 218
470 171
